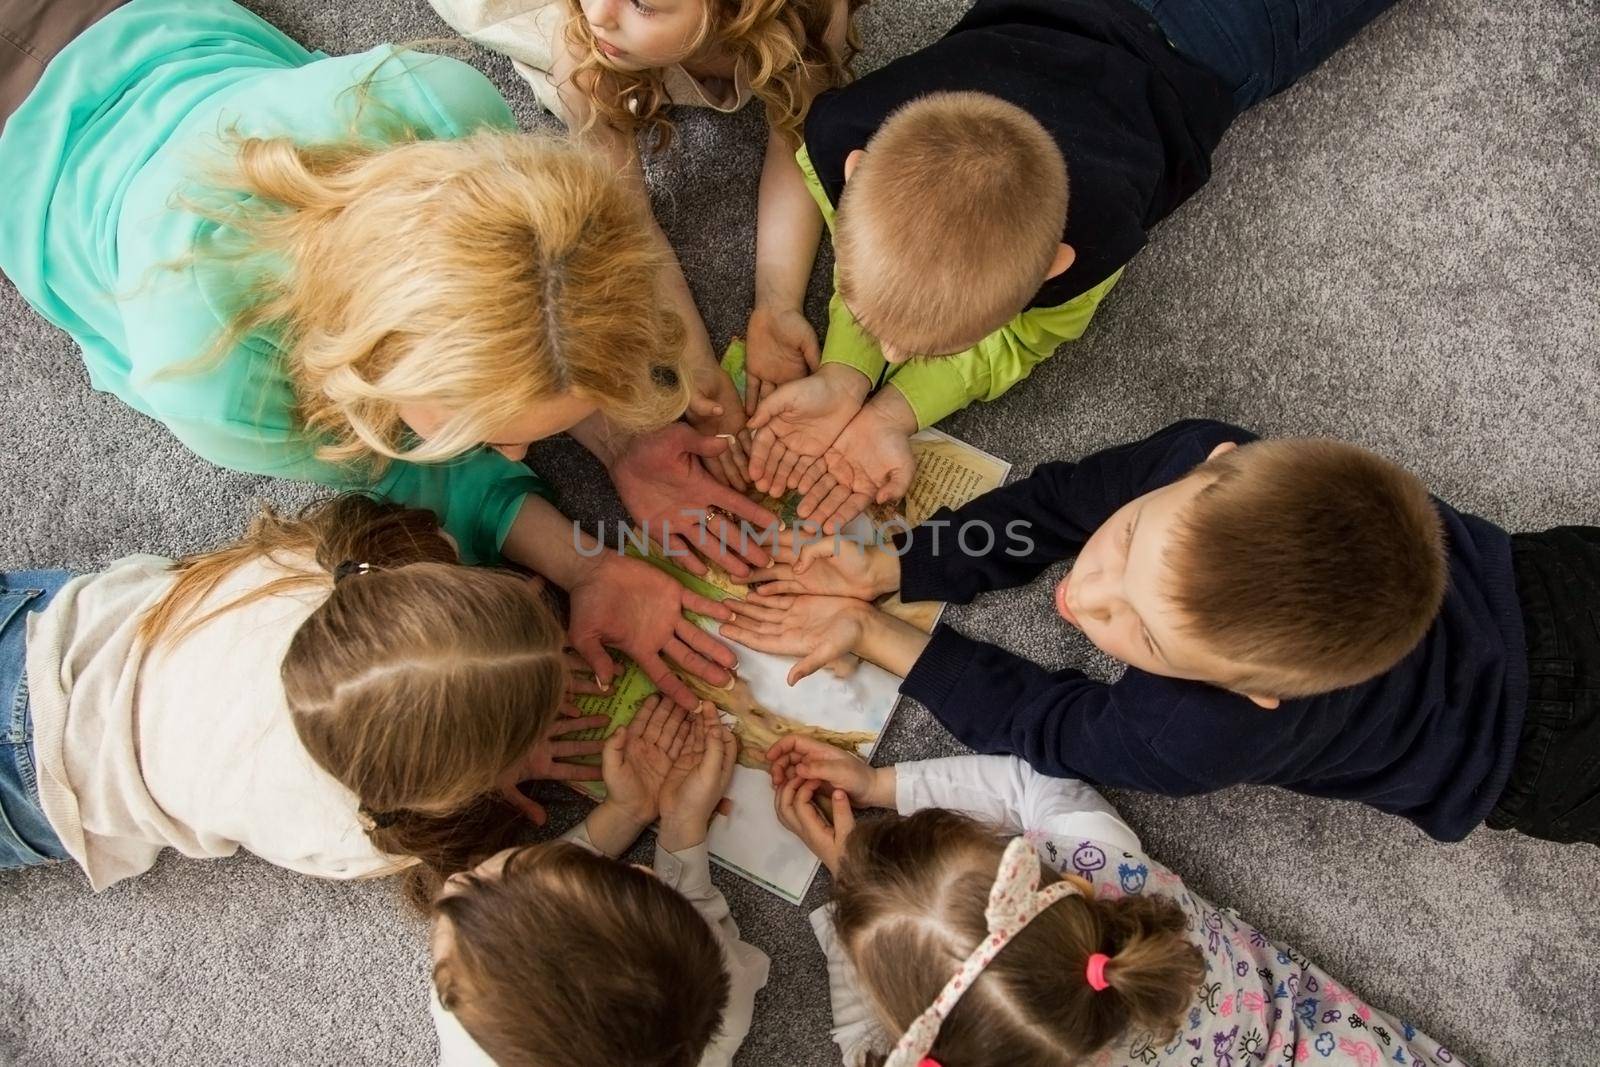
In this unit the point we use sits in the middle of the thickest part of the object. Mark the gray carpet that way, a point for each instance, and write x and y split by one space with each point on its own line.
1400 251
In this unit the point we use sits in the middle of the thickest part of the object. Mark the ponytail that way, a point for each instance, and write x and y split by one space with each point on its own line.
910 903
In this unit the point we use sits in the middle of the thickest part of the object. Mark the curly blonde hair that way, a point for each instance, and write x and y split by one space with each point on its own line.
780 46
483 275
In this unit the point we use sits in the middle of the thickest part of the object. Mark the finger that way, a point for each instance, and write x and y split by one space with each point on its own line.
772 572
817 477
580 675
754 639
781 478
844 666
724 807
752 392
652 720
568 710
531 809
704 406
742 507
703 605
683 555
751 608
844 819
810 664
594 654
661 675
568 749
895 488
584 685
784 801
768 482
731 463
761 445
707 645
830 505
691 661
573 726
854 505
783 602
574 772
679 735
730 754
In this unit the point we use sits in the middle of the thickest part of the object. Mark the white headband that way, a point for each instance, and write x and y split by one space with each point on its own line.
1014 902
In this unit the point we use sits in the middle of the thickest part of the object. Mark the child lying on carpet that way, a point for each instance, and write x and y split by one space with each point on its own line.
948 946
1295 612
610 69
558 955
333 693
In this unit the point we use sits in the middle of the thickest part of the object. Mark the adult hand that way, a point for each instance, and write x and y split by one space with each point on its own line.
638 757
694 786
664 486
780 347
546 761
630 605
821 630
832 566
800 816
798 423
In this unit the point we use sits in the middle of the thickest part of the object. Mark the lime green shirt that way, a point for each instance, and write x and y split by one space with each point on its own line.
937 387
125 120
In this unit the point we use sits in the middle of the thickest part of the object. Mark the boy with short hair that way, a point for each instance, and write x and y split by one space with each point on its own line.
989 189
1297 613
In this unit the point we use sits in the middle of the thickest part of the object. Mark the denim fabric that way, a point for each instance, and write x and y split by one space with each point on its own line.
1261 47
1554 788
26 838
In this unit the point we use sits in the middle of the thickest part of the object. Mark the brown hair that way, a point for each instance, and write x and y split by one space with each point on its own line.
569 959
780 46
957 207
910 903
485 274
1312 563
414 685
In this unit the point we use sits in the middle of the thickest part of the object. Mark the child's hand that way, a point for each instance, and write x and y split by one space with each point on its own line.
799 421
780 347
639 756
872 458
699 776
714 405
833 566
546 761
822 630
806 757
800 817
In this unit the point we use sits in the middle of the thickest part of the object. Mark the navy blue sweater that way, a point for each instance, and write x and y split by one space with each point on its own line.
1432 740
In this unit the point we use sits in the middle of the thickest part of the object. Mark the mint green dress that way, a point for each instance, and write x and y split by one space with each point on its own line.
126 119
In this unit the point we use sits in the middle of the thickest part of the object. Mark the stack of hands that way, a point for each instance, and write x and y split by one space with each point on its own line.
816 787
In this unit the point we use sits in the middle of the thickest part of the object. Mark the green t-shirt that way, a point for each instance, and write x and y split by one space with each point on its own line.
130 117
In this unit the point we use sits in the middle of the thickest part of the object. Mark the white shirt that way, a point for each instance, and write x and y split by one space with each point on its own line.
189 746
688 872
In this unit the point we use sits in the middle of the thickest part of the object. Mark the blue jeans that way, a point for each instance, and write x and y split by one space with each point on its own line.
26 838
1261 47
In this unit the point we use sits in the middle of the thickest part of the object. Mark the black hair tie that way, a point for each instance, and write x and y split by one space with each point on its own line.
349 567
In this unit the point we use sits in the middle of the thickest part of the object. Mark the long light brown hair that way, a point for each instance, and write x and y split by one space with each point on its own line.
483 275
780 47
415 685
910 903
568 959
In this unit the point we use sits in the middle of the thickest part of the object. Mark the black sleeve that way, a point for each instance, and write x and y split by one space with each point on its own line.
1062 723
1008 536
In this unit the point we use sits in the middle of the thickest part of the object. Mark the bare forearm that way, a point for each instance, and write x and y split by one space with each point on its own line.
891 644
544 540
613 830
788 229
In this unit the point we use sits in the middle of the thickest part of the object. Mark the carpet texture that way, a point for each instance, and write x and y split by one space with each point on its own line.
1399 251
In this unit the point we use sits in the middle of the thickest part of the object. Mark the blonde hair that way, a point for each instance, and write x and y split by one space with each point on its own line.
415 685
909 908
780 47
950 222
569 959
485 275
1313 564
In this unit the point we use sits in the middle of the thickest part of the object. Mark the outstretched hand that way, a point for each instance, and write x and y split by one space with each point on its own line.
796 425
547 761
832 566
872 463
632 606
693 788
666 488
780 347
796 803
821 630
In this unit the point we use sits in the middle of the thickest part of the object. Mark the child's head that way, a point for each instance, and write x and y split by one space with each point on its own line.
415 683
910 907
1283 568
551 956
950 220
493 290
780 48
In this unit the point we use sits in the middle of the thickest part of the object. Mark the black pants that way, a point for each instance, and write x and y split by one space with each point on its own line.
1554 788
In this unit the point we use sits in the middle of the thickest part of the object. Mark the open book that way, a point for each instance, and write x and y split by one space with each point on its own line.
850 711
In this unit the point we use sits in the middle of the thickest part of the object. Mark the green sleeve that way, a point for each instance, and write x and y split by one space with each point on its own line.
476 497
937 387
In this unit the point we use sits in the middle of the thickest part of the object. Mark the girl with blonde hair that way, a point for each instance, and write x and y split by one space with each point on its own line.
353 270
610 69
333 692
953 942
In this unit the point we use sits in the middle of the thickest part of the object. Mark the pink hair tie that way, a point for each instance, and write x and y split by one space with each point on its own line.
1095 972
929 1061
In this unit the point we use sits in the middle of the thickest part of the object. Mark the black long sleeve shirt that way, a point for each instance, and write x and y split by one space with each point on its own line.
1431 740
